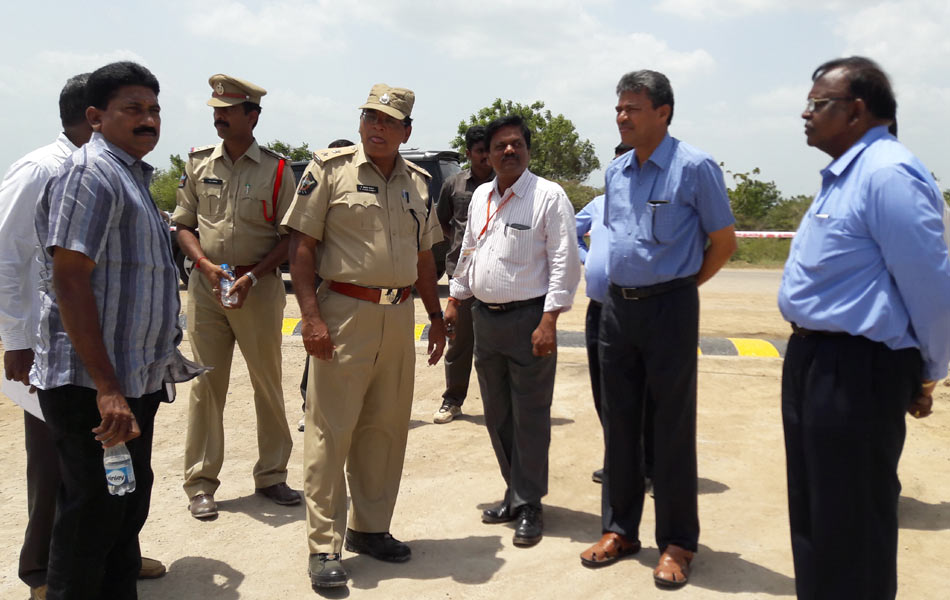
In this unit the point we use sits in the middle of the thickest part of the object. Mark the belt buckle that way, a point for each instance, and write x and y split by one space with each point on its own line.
390 296
629 293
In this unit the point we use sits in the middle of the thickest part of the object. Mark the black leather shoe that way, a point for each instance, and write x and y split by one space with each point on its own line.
499 514
279 493
530 526
380 546
598 476
326 571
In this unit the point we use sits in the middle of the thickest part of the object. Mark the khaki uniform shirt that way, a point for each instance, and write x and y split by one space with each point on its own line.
231 204
370 230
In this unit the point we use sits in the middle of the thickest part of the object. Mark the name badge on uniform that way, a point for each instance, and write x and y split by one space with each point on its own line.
371 189
213 181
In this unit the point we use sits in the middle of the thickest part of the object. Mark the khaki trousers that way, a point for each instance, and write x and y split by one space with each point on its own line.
256 327
358 406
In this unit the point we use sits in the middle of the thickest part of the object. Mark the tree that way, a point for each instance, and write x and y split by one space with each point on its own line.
787 214
165 182
752 200
293 152
557 152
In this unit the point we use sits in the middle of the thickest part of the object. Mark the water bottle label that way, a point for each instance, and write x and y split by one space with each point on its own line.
116 476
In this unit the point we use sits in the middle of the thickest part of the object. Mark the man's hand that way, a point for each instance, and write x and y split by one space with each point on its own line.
17 364
241 288
451 319
922 406
118 423
544 337
316 338
436 340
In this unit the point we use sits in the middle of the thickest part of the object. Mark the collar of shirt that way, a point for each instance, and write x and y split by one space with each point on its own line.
123 156
398 169
66 142
662 156
840 164
253 152
520 187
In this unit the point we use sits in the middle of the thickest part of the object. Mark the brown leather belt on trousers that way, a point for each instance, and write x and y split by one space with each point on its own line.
374 295
242 270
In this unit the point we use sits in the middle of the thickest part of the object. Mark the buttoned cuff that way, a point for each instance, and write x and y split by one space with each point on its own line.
15 339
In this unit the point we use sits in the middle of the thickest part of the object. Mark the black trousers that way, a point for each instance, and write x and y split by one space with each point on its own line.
42 485
517 389
94 552
648 363
458 356
592 339
843 405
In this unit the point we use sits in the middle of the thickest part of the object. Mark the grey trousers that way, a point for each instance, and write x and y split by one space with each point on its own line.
458 356
517 388
42 485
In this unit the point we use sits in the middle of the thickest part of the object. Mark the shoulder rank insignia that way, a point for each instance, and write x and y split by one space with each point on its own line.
201 148
274 153
182 180
420 170
322 156
307 185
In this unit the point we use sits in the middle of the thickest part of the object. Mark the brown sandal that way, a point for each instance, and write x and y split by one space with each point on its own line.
611 548
673 568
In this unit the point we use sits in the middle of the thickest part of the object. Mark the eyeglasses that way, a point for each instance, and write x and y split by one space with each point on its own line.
816 104
378 118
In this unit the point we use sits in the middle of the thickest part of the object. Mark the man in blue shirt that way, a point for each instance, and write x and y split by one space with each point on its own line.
867 291
669 229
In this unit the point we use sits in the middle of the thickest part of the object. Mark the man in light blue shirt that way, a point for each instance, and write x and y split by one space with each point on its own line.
669 229
867 291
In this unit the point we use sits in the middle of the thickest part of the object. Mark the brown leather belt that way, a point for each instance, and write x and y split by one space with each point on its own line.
802 331
505 307
374 295
242 270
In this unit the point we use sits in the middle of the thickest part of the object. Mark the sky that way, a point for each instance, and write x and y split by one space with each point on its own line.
740 69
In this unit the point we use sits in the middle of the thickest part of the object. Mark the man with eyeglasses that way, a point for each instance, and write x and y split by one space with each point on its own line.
368 211
867 292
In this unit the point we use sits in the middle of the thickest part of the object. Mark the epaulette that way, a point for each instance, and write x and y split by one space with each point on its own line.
197 149
321 156
274 153
418 169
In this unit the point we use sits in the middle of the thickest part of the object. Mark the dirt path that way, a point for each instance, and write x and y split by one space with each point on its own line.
255 550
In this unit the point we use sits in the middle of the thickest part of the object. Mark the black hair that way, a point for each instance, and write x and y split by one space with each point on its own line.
508 121
104 82
72 100
475 135
653 83
340 143
250 107
867 81
622 148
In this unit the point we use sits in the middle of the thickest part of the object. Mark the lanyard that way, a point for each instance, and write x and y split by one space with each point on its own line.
489 215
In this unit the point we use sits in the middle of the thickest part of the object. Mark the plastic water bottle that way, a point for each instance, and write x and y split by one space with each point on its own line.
119 474
226 287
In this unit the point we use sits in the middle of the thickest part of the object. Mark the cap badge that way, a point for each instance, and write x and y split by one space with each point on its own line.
219 88
384 99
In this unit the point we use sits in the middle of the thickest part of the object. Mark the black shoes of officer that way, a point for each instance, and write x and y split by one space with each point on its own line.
598 476
279 493
502 513
380 546
326 571
530 526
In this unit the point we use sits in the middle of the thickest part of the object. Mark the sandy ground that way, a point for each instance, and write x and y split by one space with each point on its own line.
256 550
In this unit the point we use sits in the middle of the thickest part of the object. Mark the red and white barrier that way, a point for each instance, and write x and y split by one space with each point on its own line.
765 234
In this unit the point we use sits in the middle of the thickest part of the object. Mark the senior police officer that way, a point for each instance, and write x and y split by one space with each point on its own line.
368 210
231 199
867 291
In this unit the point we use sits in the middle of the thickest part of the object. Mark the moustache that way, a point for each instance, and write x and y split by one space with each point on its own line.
221 123
145 130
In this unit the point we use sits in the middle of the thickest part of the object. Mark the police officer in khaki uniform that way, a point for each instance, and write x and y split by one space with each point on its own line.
231 200
368 211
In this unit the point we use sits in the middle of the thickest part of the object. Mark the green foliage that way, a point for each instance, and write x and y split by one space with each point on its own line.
165 183
761 252
579 194
751 200
294 153
946 196
557 152
787 214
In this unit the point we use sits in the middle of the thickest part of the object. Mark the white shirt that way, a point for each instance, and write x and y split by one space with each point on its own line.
20 190
527 250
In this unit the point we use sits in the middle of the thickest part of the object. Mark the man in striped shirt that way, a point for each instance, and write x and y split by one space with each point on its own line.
108 332
519 261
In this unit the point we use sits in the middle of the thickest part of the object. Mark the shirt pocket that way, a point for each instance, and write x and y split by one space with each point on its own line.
668 219
518 246
256 209
821 238
414 219
364 210
212 203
